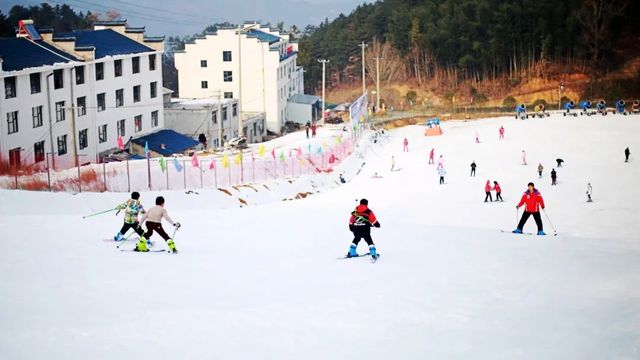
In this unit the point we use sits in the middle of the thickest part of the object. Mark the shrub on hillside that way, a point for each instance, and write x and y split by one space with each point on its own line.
509 101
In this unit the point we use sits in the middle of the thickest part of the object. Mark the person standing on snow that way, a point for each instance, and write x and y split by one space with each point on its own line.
559 162
306 129
440 162
393 163
533 201
498 190
589 192
554 177
362 218
313 129
626 154
154 217
540 168
524 157
442 172
477 138
487 191
432 153
501 132
473 168
405 145
132 208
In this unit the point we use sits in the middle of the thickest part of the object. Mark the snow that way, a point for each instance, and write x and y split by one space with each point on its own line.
262 281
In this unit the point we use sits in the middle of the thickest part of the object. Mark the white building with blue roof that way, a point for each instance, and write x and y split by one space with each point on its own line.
210 66
71 95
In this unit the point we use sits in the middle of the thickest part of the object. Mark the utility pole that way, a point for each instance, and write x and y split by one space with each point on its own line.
378 83
219 119
560 88
324 63
240 31
73 124
53 156
363 45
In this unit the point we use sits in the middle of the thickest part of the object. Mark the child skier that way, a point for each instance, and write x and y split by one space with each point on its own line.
393 163
487 191
626 154
501 132
498 190
432 153
362 218
405 145
554 177
589 192
154 218
532 199
524 157
473 168
559 162
540 168
442 172
132 208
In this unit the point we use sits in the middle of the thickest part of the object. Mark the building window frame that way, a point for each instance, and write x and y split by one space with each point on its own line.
153 89
228 95
101 100
10 87
204 84
227 56
119 97
79 70
60 111
102 133
137 96
36 115
227 76
121 127
83 138
38 151
203 63
135 64
117 67
12 122
35 80
99 71
152 62
137 123
62 144
58 79
154 118
81 105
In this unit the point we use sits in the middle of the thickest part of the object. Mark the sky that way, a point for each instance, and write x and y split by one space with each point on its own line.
164 17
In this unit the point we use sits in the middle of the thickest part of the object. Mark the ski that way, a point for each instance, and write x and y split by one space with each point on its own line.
374 259
352 257
526 233
133 250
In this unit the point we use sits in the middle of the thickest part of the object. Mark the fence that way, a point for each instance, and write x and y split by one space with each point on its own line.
176 173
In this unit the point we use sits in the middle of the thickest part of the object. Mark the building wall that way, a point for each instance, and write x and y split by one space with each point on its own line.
267 82
300 113
27 135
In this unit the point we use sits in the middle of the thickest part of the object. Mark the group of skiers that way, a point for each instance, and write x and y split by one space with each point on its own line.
488 189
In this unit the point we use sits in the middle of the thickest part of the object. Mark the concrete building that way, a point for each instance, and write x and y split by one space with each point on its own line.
302 109
77 92
216 119
211 64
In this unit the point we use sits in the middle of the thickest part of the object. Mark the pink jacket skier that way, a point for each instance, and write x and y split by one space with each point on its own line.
524 158
405 144
501 131
487 191
440 162
431 155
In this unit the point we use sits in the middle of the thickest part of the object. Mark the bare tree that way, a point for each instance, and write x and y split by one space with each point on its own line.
391 64
596 16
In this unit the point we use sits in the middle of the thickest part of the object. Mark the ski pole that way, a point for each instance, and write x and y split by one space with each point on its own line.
550 223
125 239
98 213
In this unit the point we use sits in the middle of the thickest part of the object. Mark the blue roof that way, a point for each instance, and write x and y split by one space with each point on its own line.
107 42
173 142
263 36
304 99
21 53
58 51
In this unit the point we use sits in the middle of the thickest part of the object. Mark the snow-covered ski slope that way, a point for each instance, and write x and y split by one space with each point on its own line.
263 282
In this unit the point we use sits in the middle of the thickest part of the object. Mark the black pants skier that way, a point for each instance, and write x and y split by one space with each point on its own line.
488 196
441 180
525 217
135 226
473 172
553 180
498 197
157 227
362 234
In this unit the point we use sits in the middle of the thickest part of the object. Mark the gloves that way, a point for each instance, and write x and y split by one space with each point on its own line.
177 225
377 224
351 227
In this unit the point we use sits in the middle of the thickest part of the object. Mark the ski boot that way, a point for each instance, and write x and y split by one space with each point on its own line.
541 232
517 231
141 245
118 237
373 252
352 251
149 243
172 246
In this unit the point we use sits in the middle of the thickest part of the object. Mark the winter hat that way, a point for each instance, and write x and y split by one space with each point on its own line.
364 202
135 195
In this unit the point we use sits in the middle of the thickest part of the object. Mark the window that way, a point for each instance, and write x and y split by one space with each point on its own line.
14 157
79 75
35 83
58 79
12 122
83 139
152 62
38 151
204 84
60 113
99 71
62 145
117 68
102 133
120 127
203 63
137 122
227 76
119 97
101 102
226 56
234 110
135 64
214 117
81 104
228 95
9 87
153 89
154 118
36 114
224 114
136 93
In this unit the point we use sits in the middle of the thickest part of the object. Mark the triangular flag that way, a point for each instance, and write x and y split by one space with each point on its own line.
194 160
262 150
225 161
177 164
212 165
146 149
273 154
163 164
319 150
120 143
289 152
239 158
332 159
299 152
281 156
309 148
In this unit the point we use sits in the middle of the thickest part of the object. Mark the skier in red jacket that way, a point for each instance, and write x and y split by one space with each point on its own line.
362 218
532 199
487 191
498 190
